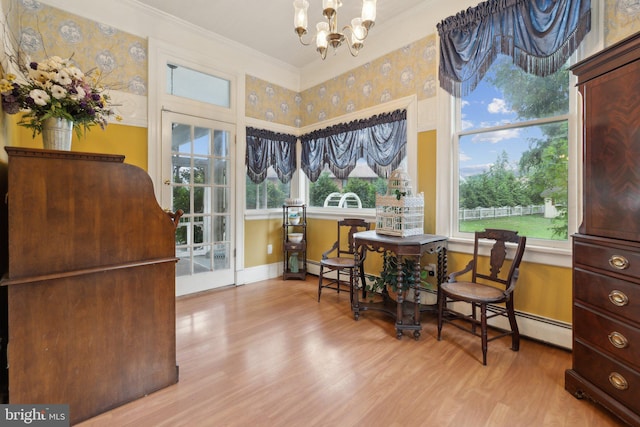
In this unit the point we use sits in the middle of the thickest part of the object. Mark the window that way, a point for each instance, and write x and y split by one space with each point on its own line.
200 163
347 164
198 86
269 194
271 162
544 143
358 190
512 154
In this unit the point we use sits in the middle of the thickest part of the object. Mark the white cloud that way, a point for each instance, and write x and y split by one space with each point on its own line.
498 106
497 136
463 157
466 124
468 171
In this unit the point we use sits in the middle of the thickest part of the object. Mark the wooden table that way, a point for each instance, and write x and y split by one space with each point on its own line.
406 313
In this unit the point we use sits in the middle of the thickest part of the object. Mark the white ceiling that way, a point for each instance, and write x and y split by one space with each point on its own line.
267 25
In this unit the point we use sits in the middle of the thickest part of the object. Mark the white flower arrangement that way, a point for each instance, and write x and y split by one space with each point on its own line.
56 88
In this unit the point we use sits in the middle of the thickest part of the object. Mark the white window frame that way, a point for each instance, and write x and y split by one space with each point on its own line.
541 251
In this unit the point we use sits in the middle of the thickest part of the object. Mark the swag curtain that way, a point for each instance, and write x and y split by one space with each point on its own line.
266 148
380 139
539 35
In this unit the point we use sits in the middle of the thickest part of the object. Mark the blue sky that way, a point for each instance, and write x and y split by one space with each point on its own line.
486 107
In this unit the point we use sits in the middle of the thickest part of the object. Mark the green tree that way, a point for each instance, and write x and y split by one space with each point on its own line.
364 190
531 96
251 194
319 190
545 164
497 187
182 196
277 192
381 186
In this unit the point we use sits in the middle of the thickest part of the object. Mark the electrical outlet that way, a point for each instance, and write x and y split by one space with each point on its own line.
269 249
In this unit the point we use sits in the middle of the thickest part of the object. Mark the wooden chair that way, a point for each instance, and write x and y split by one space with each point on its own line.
484 290
342 261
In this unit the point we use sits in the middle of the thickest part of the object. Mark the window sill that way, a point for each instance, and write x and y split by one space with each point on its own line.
262 214
316 213
558 257
368 215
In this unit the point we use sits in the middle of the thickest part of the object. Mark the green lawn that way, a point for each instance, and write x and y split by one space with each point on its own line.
528 225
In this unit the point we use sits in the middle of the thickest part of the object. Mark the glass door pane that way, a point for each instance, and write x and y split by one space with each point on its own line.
199 162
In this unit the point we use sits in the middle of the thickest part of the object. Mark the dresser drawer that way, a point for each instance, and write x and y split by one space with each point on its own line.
619 260
614 378
613 295
617 338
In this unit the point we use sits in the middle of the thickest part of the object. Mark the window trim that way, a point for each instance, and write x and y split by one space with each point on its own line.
559 244
538 250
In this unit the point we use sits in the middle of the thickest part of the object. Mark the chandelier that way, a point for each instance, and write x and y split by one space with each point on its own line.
327 32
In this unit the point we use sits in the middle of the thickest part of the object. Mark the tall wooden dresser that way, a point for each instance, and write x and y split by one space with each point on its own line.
87 301
606 250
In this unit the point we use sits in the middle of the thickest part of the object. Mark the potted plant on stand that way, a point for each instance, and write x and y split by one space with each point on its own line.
388 278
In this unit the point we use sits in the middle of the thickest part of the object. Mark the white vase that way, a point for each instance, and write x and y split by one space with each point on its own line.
57 134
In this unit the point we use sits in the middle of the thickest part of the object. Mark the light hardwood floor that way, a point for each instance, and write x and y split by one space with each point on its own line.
268 354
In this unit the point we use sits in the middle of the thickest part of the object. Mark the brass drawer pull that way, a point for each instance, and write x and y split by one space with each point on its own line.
618 381
618 298
619 262
618 340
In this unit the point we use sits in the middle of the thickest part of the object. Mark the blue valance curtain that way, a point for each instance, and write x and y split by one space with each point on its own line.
266 148
381 140
539 35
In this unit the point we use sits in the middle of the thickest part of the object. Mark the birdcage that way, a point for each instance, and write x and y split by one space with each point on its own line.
400 212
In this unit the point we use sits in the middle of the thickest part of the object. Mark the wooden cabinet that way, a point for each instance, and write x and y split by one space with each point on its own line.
294 241
606 251
89 292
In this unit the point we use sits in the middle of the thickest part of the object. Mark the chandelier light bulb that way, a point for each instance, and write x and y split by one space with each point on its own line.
358 34
322 32
300 20
331 4
368 13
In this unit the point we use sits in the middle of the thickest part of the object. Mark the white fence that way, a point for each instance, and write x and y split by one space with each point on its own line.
482 213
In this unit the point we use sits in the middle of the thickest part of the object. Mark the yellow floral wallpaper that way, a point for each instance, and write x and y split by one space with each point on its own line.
44 31
406 71
273 103
412 69
622 18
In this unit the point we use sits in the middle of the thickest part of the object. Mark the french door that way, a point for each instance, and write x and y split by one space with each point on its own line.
196 171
